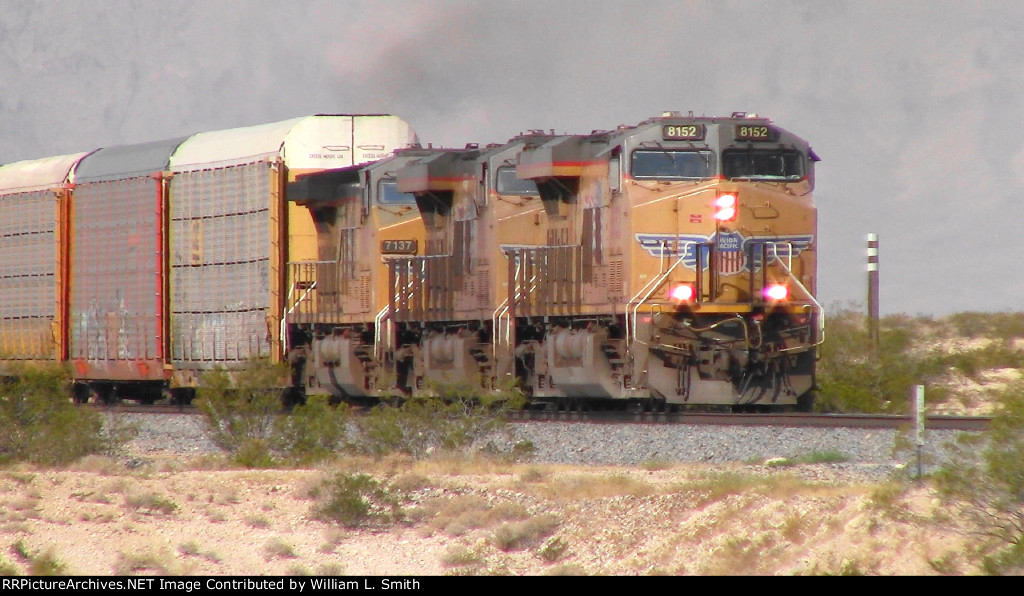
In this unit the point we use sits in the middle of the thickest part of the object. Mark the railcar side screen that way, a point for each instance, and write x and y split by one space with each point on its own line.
672 165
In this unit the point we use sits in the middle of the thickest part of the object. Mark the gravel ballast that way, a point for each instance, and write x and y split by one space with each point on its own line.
627 444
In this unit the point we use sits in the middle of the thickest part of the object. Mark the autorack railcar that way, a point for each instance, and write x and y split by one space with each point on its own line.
144 265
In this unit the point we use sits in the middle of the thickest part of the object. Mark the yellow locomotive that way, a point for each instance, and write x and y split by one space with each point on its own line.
679 268
665 264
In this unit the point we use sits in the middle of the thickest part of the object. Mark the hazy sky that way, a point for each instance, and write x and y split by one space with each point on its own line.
916 108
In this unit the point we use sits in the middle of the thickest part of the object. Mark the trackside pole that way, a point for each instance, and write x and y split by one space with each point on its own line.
873 290
918 407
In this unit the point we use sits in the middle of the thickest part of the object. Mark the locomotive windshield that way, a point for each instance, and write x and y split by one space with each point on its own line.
672 165
763 164
510 184
389 194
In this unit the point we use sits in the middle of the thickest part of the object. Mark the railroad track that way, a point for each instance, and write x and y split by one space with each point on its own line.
964 423
782 419
134 408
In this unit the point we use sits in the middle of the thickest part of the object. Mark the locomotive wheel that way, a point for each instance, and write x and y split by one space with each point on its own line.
182 396
293 396
805 403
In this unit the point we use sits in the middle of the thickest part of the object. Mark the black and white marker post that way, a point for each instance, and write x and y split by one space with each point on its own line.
873 290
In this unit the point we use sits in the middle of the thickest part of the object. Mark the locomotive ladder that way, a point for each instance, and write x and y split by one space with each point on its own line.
502 319
423 288
304 279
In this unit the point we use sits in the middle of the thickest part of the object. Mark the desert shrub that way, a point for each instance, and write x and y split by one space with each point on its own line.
855 377
314 431
192 549
243 412
452 419
1004 325
8 569
458 555
156 562
39 424
278 548
356 500
524 534
823 457
241 406
553 549
972 362
151 503
43 563
984 486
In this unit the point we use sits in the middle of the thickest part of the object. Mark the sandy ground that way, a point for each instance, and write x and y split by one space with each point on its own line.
171 517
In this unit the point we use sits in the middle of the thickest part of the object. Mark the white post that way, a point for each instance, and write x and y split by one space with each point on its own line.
919 423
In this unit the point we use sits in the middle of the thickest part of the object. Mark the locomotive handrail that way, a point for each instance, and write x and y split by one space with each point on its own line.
653 285
378 321
284 319
309 290
501 311
418 273
656 283
534 254
496 318
292 306
415 268
788 271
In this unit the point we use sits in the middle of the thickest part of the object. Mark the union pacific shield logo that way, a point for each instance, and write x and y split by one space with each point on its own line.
735 252
731 258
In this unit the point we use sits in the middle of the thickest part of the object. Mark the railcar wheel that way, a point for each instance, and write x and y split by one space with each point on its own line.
103 393
80 393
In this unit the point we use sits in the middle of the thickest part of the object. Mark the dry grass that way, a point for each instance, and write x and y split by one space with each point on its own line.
278 548
468 517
